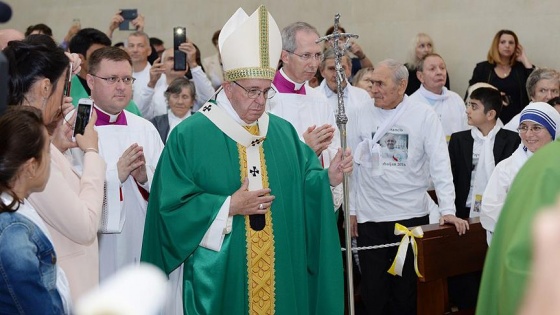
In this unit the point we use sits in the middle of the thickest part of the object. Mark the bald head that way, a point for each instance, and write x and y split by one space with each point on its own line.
9 35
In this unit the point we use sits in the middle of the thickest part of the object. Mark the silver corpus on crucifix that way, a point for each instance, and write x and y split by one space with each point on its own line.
341 119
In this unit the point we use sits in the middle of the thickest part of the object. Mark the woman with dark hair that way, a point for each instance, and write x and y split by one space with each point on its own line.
39 29
30 280
35 76
507 68
70 205
180 96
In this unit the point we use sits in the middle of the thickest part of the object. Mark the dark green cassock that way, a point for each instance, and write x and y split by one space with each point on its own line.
508 262
198 169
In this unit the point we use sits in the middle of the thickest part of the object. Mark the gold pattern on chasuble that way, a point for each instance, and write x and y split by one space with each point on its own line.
260 247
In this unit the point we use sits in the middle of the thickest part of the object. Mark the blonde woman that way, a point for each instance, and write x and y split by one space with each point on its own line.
420 46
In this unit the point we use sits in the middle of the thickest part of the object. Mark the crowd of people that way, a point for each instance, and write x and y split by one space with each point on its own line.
227 175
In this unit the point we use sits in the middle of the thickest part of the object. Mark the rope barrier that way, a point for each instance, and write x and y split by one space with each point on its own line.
409 236
355 249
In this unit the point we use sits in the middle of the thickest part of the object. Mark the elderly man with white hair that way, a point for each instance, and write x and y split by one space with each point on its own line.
388 190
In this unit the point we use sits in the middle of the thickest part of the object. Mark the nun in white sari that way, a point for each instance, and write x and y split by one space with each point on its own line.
538 126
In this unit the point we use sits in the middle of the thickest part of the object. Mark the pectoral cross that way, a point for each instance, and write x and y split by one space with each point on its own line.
254 171
256 142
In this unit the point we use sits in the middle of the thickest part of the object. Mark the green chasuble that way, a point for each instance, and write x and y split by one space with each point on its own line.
198 169
508 262
78 91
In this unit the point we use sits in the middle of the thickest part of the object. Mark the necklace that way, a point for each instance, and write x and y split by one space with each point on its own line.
502 72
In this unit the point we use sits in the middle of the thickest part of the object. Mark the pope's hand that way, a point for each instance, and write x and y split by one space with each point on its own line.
245 202
339 166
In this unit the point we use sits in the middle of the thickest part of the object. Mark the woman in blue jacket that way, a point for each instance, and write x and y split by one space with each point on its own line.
28 270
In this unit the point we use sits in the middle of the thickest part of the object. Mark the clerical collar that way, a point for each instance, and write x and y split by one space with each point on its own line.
284 85
104 118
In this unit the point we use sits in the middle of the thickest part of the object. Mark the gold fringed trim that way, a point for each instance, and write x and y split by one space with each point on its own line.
260 252
249 73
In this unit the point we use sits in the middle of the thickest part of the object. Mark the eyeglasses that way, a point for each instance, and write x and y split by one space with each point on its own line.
307 56
255 93
114 79
534 129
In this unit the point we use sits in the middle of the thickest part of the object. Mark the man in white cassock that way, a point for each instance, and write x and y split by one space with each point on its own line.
131 146
306 108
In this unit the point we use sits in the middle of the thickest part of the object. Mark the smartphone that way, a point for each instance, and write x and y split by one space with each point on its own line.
128 15
85 107
77 23
68 83
179 57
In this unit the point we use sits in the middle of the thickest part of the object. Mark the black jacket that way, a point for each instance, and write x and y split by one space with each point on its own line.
513 86
460 153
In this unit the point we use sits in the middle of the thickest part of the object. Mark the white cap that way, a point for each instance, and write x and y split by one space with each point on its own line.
134 290
477 86
250 46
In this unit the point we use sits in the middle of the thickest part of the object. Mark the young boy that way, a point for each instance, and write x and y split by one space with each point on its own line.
475 152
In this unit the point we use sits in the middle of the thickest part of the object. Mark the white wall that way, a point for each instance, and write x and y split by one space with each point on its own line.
462 29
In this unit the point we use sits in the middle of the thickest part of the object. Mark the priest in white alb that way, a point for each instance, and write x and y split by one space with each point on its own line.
131 147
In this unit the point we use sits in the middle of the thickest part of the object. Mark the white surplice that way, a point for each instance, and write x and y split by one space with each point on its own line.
122 226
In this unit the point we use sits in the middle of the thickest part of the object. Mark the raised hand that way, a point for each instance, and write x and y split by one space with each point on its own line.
339 166
319 138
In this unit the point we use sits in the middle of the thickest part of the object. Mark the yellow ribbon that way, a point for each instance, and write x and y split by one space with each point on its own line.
409 236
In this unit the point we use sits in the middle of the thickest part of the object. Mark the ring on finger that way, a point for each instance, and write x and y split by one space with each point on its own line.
260 206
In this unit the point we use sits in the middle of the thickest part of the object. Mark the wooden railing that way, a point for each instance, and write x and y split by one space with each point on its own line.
443 253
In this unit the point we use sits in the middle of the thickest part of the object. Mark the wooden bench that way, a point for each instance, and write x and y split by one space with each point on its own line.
442 253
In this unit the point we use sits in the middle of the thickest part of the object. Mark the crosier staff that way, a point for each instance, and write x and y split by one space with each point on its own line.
341 120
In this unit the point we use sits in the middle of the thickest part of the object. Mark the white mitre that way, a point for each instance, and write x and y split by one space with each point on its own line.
250 46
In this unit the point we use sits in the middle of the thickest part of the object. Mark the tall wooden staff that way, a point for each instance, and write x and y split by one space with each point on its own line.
341 119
